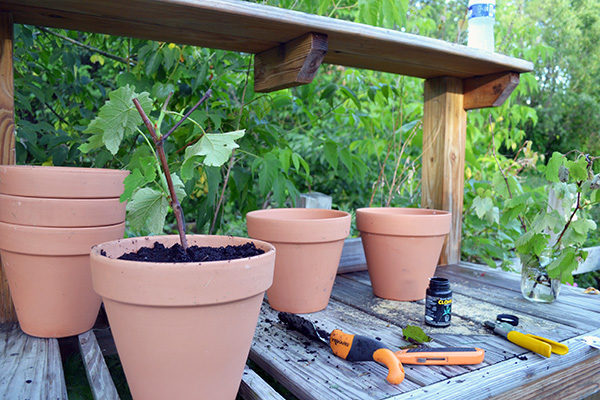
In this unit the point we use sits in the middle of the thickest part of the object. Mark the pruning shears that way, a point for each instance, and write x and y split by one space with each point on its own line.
540 345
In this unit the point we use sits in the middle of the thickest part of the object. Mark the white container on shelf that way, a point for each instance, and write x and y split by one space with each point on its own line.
481 16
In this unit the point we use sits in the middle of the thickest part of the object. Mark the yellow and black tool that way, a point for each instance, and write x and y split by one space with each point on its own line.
537 344
362 348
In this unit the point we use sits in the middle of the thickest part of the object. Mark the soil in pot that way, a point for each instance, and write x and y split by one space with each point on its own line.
177 254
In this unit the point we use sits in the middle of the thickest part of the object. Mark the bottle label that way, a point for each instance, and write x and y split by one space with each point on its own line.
482 10
438 310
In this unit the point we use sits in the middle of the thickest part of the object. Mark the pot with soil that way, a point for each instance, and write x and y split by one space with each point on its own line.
402 248
50 217
183 329
309 245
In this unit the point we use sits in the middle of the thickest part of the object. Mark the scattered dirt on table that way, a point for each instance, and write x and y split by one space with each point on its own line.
176 253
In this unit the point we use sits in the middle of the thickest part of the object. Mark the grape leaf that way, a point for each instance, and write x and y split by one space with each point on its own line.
149 208
118 117
415 334
217 147
553 166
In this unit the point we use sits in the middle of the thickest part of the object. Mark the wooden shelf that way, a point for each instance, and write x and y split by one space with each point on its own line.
253 28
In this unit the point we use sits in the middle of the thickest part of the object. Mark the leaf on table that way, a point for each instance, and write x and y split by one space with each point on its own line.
591 290
415 334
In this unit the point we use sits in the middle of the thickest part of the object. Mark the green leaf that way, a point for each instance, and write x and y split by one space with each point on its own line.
118 117
133 181
578 169
532 243
148 208
415 334
553 166
482 205
217 147
563 266
331 153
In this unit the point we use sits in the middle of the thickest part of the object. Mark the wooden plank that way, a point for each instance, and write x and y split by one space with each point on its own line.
253 387
30 367
253 28
101 383
353 257
443 171
289 64
310 370
470 309
490 90
524 379
7 137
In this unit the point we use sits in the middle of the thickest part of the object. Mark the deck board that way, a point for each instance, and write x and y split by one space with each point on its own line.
310 371
252 28
30 367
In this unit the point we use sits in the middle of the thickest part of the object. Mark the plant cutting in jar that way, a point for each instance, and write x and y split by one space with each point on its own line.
553 222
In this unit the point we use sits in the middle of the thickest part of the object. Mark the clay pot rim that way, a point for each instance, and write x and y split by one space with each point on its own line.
57 200
190 283
312 214
400 221
42 180
149 241
298 225
19 236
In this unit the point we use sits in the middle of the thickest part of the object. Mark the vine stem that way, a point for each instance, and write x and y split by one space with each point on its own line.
177 210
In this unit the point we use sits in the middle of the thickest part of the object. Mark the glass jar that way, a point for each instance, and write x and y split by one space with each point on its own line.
536 285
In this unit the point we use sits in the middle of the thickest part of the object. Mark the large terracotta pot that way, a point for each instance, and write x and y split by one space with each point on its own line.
402 247
182 330
50 217
309 244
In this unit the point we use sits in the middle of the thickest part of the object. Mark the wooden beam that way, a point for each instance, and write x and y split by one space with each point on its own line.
444 137
290 64
489 90
7 136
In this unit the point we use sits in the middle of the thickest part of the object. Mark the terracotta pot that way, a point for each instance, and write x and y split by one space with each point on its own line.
50 217
182 330
53 212
48 272
309 244
61 182
402 247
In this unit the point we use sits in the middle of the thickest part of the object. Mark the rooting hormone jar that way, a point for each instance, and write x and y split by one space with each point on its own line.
438 302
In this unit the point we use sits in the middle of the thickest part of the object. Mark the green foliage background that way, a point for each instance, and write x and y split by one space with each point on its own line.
345 134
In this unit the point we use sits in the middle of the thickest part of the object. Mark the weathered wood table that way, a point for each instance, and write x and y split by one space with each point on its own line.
310 371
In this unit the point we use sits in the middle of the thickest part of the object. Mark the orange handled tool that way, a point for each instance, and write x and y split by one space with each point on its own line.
362 348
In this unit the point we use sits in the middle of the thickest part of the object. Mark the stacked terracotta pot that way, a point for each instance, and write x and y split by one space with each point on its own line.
50 217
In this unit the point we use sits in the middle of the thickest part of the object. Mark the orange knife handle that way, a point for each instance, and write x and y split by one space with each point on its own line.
530 343
362 348
395 368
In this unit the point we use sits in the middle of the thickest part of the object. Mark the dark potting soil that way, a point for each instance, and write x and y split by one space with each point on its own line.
176 253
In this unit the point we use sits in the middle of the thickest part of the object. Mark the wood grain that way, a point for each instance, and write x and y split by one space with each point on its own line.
490 90
253 28
253 387
444 138
99 378
290 64
30 368
7 138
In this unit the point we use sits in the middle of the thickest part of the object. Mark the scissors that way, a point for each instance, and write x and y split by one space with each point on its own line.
540 345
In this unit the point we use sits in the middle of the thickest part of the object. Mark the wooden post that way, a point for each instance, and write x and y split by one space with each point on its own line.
444 136
7 136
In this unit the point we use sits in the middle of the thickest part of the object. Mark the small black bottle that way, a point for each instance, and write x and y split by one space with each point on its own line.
438 302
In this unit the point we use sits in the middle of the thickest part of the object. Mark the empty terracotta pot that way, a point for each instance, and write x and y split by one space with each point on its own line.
309 244
48 272
50 217
182 330
402 247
